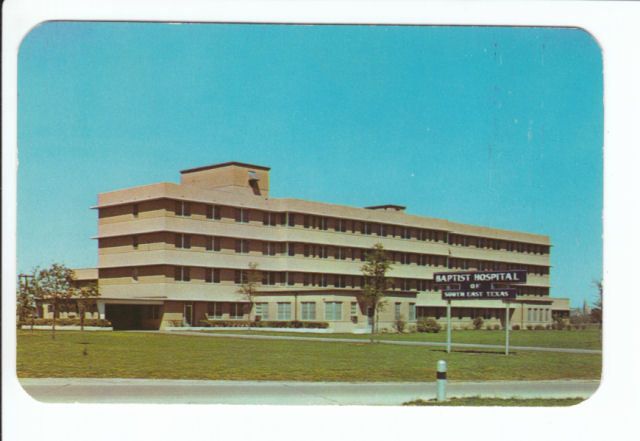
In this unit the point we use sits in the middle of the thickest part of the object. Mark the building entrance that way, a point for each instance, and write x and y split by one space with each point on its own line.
130 317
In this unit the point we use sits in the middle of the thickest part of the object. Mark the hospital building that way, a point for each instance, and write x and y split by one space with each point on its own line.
175 255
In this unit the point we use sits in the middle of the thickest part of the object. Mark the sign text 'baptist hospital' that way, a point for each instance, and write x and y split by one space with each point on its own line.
515 276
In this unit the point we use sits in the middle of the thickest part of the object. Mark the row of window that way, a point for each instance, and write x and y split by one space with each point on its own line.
243 246
538 314
290 278
245 215
333 311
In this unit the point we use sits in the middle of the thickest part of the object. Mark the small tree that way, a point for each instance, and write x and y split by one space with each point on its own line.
596 312
477 323
54 287
376 282
249 287
25 301
86 297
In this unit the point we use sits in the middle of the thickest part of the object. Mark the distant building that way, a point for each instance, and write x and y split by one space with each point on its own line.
175 254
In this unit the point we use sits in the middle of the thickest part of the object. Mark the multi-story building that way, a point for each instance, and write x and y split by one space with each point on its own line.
175 255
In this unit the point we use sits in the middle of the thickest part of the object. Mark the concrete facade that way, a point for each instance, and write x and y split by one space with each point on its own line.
174 255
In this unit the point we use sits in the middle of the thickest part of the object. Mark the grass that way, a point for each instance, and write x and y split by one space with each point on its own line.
478 401
140 355
586 339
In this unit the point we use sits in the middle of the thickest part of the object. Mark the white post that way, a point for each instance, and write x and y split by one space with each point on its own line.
441 380
448 326
100 306
507 326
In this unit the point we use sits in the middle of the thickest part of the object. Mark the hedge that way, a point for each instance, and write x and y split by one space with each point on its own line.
263 324
66 322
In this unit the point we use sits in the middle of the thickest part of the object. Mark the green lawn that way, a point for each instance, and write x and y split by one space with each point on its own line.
587 339
138 355
478 401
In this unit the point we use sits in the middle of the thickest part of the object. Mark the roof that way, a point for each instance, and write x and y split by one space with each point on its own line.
225 164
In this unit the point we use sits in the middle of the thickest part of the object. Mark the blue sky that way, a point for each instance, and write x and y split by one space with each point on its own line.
493 126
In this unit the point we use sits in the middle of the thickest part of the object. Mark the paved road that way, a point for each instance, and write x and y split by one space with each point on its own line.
89 390
387 342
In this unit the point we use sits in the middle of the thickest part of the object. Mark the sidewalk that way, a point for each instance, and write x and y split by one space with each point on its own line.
91 390
382 341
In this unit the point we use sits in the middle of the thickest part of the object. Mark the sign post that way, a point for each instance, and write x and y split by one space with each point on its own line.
448 326
507 326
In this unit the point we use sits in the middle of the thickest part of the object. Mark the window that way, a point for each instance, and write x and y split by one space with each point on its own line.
382 230
262 311
242 246
183 241
153 312
269 219
134 274
307 221
240 276
269 248
308 310
284 311
242 215
182 274
342 225
135 210
135 242
397 311
214 309
323 223
291 219
354 308
268 278
333 311
183 208
213 212
406 233
291 249
236 310
212 275
290 278
412 311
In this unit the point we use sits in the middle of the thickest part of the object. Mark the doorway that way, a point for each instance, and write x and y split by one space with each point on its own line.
188 314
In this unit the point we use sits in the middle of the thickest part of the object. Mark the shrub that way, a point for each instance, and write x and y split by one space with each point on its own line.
477 323
515 327
412 328
529 328
399 325
539 328
264 324
428 325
